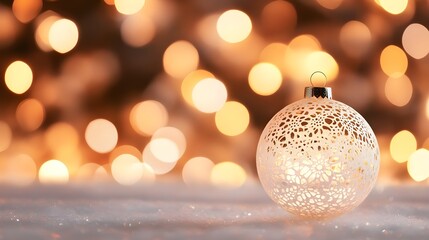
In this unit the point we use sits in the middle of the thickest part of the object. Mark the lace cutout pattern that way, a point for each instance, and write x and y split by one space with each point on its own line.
318 158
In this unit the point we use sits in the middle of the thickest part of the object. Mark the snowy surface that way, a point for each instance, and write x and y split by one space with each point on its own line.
174 211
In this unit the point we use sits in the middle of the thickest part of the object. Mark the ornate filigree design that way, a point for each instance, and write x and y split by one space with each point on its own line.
318 158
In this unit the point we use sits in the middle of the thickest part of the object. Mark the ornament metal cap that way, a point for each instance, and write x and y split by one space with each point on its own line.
323 92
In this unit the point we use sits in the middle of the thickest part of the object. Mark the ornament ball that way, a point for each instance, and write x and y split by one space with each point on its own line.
317 157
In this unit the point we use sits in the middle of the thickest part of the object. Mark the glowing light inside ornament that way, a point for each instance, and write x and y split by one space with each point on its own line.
318 158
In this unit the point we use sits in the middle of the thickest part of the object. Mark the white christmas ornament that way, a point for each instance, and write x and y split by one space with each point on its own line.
318 157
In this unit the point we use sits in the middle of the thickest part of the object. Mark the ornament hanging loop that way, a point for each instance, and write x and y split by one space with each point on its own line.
311 78
318 92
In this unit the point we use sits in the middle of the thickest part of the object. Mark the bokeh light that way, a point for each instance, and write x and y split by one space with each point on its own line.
53 172
124 149
232 119
92 172
393 61
26 10
355 38
190 81
228 175
9 27
137 30
20 170
149 69
296 58
398 90
415 39
234 26
330 4
148 116
101 135
418 165
402 145
30 114
5 136
127 169
164 149
18 77
129 7
304 43
71 157
265 79
322 61
63 35
62 136
427 107
180 58
274 53
158 167
148 175
279 17
426 143
197 170
110 2
394 7
41 34
209 95
173 134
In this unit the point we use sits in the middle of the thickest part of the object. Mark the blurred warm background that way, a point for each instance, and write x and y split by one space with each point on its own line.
144 91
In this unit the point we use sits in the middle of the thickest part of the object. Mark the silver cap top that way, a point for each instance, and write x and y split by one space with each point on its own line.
314 91
323 92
